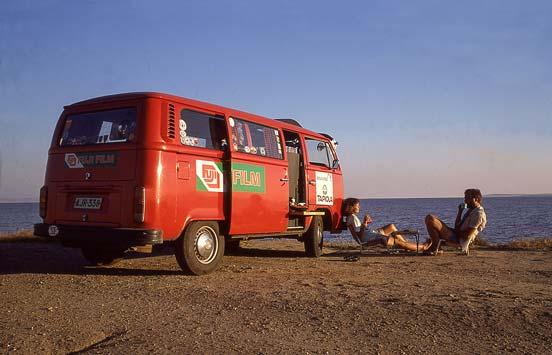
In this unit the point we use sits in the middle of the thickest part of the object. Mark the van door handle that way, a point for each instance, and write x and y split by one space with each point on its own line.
284 179
312 182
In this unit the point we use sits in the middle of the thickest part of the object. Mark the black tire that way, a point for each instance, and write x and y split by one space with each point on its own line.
231 247
200 249
102 255
314 238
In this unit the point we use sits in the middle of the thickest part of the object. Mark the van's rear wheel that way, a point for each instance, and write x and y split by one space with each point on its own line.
102 255
314 239
199 251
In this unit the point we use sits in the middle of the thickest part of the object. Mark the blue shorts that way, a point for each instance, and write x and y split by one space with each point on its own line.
373 234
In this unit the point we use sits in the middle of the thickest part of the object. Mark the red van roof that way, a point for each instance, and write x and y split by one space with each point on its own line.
197 103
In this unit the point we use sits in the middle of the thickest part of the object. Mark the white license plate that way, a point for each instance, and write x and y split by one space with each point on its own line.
88 203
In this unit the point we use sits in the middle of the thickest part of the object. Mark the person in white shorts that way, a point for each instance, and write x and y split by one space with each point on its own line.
384 236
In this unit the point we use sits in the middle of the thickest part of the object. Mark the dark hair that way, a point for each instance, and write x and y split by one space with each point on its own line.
348 203
475 193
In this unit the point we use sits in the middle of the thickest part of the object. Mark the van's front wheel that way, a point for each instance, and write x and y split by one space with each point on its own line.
313 239
199 251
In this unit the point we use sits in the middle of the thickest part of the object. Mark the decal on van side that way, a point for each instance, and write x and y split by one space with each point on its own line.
90 160
209 176
248 178
324 189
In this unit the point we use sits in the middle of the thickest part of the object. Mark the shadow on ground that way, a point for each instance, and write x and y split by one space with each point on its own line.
52 258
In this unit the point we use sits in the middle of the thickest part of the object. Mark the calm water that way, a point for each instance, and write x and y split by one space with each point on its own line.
15 216
508 217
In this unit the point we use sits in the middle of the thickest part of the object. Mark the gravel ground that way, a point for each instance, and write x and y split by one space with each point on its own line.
269 298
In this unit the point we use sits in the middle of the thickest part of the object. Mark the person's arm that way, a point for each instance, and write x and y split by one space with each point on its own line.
474 221
367 220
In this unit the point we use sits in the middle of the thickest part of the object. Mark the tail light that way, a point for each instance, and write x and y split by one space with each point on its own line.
43 201
139 204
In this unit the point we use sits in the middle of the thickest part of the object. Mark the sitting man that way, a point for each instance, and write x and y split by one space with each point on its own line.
466 227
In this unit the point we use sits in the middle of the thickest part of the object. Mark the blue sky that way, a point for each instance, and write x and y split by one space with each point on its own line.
425 97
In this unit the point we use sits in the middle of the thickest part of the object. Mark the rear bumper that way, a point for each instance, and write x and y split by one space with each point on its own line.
82 235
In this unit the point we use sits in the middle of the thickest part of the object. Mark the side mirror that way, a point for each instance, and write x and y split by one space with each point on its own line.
335 164
321 146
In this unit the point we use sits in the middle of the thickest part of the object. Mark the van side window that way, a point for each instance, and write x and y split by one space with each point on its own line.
201 130
252 138
319 153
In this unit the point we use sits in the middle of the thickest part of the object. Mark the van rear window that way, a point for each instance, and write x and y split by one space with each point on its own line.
102 127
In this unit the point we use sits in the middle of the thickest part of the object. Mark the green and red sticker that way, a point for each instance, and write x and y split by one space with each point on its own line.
209 176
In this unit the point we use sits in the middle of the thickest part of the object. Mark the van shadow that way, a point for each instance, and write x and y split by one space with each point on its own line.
52 258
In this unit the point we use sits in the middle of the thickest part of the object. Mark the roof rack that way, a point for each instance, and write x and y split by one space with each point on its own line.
332 139
290 121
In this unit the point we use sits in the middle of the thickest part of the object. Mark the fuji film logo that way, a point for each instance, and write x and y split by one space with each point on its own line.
72 161
210 175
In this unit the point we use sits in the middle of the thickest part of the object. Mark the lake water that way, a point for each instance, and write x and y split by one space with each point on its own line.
508 217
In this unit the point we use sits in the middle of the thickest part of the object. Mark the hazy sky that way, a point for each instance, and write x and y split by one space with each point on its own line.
426 98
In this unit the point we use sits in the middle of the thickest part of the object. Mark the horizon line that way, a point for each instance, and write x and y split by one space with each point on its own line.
362 198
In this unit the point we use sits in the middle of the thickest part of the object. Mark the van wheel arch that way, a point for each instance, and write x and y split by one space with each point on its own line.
326 219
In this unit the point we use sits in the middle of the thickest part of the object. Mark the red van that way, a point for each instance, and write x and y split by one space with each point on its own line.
148 168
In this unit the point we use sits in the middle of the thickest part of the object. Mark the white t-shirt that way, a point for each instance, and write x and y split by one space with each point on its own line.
354 221
477 219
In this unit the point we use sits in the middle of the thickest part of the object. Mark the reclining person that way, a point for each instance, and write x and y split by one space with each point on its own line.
386 236
465 228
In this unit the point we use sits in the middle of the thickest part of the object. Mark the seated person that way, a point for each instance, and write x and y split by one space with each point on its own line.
465 228
386 236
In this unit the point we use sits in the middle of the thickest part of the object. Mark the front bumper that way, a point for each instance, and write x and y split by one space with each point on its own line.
82 235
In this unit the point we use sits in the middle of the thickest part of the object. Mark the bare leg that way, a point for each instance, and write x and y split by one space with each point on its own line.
406 245
399 240
437 229
387 230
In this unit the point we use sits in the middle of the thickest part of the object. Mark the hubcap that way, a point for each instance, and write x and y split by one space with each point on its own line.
206 245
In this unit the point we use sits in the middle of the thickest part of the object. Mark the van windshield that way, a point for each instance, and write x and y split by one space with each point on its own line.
102 127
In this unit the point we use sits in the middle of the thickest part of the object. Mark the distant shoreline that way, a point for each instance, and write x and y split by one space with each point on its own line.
377 198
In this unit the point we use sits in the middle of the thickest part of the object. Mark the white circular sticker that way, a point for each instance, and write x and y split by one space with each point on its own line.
53 231
231 122
182 140
182 124
247 150
183 133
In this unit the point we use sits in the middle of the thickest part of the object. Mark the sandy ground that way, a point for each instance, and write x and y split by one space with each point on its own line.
271 299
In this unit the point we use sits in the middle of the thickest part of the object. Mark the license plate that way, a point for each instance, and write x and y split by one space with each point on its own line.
88 203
